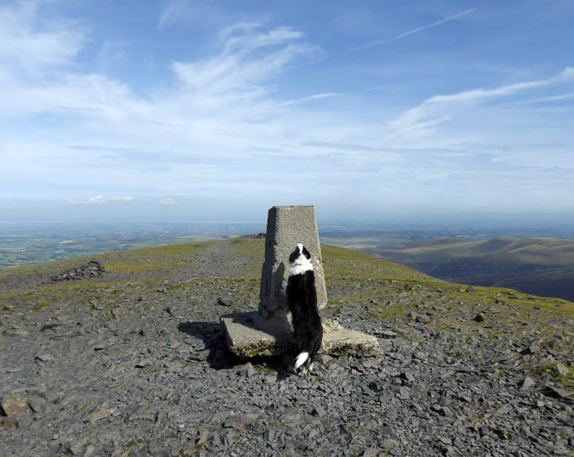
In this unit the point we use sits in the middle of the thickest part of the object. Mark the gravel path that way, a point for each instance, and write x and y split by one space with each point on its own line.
139 368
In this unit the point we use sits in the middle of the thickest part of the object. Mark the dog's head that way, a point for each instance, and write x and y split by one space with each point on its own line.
300 251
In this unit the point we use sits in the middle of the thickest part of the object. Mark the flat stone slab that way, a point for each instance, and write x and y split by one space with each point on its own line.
349 342
249 335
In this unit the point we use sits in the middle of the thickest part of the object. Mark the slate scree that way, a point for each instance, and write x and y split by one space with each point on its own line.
302 300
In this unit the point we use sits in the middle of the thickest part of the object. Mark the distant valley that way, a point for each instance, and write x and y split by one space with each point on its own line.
537 265
514 258
38 244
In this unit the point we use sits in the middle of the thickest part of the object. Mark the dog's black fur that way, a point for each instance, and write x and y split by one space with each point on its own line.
302 300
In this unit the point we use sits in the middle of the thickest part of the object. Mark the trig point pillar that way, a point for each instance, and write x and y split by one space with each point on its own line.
267 332
287 226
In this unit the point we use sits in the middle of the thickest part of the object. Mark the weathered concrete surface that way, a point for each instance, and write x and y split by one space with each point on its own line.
250 335
287 226
349 342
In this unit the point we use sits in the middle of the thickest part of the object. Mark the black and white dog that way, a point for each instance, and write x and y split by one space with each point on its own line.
302 300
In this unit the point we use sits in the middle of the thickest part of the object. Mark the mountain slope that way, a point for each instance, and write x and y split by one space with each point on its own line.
133 363
539 266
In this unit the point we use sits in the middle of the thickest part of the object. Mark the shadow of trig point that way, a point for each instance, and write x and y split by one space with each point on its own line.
268 331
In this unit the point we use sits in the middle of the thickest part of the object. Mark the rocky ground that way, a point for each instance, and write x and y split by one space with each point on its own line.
133 363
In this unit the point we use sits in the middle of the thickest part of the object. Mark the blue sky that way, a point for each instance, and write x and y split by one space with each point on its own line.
222 109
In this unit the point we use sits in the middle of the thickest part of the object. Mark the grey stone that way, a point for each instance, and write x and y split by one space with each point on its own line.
200 356
562 369
319 411
557 392
423 319
527 383
99 346
479 317
370 452
291 416
246 370
38 405
287 226
407 376
143 363
532 349
225 301
419 355
44 357
77 447
13 403
436 408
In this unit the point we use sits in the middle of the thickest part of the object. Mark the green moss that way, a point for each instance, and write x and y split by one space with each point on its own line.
565 374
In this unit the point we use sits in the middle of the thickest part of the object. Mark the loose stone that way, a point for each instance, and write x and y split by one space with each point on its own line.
13 403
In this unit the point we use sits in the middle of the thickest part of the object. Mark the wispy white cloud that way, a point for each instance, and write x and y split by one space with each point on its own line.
173 12
416 30
237 67
204 14
223 107
549 99
311 98
101 200
169 201
424 119
243 38
29 45
434 24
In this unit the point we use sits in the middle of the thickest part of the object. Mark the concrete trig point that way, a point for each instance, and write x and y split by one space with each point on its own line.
268 331
287 226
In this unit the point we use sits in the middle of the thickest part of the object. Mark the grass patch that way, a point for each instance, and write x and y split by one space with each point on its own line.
251 248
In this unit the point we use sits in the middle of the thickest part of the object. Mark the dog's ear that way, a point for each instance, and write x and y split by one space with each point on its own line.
306 253
294 255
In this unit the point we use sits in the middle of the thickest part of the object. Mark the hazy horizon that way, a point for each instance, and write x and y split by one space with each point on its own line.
196 221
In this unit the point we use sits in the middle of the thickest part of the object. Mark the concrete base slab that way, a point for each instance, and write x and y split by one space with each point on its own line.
249 335
349 342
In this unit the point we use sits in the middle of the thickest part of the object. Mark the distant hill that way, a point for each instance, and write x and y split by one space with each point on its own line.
538 266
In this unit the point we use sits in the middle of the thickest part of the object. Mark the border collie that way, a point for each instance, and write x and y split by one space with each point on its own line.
302 300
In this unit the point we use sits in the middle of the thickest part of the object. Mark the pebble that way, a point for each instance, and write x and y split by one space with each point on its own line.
479 317
224 301
527 383
13 403
246 370
143 363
